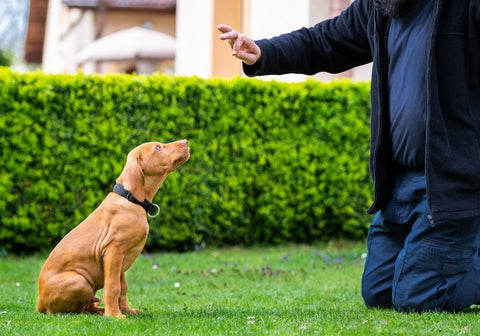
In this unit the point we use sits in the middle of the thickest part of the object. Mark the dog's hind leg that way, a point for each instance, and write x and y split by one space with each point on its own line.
67 292
93 307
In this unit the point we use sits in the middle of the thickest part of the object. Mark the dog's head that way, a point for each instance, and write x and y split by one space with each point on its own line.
149 164
155 158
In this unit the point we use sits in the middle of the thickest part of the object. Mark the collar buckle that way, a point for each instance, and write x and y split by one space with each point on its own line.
120 190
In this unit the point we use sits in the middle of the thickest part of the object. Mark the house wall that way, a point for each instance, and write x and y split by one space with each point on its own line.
194 38
69 30
201 53
124 19
230 11
66 33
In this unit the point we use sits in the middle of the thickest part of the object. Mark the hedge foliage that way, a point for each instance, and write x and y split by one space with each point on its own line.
270 162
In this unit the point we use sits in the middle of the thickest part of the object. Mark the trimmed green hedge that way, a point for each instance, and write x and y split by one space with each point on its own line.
270 162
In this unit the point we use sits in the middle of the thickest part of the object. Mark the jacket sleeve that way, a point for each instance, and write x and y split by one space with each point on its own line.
333 45
478 15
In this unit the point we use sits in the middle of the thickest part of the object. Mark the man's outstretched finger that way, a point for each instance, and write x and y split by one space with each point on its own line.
229 36
224 28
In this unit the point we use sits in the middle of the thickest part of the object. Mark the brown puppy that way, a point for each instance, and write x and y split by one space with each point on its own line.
97 252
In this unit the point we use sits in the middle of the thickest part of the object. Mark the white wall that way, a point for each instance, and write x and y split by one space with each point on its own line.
269 18
51 45
194 38
66 33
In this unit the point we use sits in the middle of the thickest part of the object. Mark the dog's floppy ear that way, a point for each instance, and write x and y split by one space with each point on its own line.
133 178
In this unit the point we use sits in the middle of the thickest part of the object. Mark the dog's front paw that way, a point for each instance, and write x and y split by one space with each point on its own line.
119 315
116 314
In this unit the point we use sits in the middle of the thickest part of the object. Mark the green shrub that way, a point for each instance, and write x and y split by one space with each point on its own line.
270 162
6 57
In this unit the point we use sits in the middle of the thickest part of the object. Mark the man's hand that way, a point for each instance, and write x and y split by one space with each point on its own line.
243 47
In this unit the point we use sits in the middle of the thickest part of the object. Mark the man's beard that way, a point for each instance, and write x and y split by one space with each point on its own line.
394 8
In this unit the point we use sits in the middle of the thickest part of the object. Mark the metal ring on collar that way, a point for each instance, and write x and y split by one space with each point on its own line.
157 211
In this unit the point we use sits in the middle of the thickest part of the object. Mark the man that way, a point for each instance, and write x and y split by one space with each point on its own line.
425 138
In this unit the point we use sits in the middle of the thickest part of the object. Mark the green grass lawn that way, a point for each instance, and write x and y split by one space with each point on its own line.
287 290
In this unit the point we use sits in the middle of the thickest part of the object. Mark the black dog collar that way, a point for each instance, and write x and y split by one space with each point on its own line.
119 189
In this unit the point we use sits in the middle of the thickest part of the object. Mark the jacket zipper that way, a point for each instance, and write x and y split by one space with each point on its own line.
380 38
430 62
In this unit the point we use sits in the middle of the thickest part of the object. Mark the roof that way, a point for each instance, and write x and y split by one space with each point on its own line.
164 5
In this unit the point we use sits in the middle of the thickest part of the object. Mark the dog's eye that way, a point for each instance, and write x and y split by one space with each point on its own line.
158 147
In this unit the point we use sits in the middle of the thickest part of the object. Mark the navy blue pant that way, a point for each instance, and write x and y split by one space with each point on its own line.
414 264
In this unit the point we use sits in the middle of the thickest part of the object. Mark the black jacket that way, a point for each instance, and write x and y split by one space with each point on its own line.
358 36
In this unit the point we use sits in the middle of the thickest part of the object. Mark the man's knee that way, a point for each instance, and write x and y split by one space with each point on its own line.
375 298
422 302
406 304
